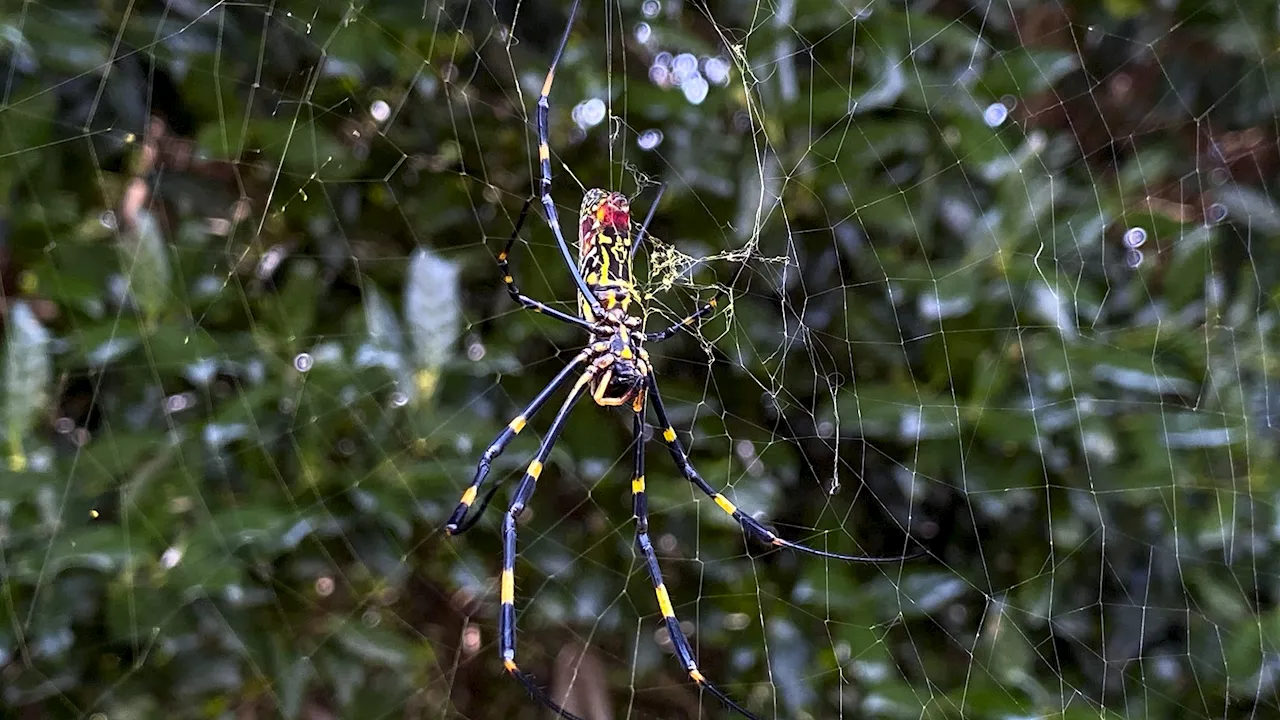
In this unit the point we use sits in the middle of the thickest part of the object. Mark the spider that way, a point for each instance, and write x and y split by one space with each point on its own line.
614 367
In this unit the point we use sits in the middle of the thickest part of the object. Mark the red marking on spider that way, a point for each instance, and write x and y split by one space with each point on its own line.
615 211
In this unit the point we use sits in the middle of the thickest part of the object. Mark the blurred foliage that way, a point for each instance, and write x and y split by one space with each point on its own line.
255 341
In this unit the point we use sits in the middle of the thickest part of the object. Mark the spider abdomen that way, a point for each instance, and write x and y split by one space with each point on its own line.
604 250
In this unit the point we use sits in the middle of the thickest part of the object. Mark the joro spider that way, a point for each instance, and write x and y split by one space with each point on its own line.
615 367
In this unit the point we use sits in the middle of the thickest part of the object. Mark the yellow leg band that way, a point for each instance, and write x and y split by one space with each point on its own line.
508 587
724 504
664 601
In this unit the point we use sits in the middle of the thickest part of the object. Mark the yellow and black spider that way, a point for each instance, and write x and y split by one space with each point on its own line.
615 368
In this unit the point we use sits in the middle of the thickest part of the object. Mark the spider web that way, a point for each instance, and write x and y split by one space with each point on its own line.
999 278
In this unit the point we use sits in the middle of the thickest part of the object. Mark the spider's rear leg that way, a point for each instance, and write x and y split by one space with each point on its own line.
749 524
508 278
678 640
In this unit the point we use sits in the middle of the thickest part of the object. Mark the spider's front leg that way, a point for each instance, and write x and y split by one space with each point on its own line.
514 291
702 312
542 119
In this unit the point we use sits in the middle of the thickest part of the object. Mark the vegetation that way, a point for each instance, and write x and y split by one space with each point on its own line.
1002 278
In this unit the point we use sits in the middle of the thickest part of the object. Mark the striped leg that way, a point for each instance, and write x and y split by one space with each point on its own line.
457 523
514 291
748 523
507 618
544 163
681 644
702 312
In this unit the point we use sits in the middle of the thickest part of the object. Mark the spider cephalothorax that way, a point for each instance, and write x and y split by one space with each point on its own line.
623 365
615 368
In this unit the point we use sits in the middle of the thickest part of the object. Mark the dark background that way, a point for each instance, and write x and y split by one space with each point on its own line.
255 341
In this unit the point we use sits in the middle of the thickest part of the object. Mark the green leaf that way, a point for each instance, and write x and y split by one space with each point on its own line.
28 372
1261 210
25 125
104 548
900 414
293 309
1026 71
303 148
431 311
891 81
144 260
371 643
384 339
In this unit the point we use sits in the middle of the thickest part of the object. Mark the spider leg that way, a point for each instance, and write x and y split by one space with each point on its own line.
678 640
544 162
457 522
748 523
702 311
523 492
644 229
514 291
